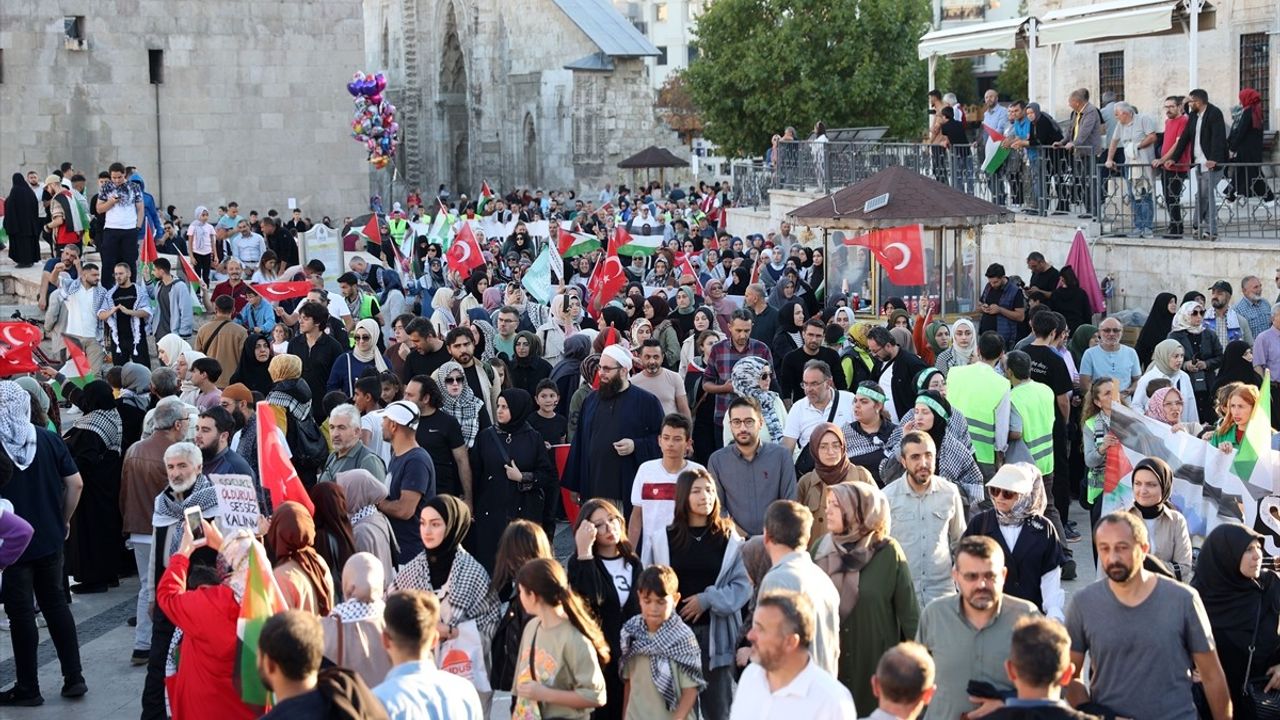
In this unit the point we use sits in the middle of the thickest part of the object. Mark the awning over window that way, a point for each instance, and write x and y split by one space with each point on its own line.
974 39
1116 19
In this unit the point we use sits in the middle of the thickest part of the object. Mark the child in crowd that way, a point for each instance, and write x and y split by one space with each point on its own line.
661 663
553 426
204 374
653 494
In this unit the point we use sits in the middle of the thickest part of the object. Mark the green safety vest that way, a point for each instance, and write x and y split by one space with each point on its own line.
366 311
976 391
1037 406
397 229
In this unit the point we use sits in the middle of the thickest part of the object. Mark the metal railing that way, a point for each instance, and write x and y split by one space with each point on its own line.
1130 199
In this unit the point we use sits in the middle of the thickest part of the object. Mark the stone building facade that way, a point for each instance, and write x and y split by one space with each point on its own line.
213 101
549 93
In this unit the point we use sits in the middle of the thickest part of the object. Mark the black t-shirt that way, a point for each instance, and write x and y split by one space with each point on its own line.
438 434
125 297
554 429
418 364
697 564
415 471
302 707
991 296
38 494
1046 281
1049 368
791 373
953 130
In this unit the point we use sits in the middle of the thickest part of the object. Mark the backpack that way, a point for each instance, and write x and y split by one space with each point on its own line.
310 451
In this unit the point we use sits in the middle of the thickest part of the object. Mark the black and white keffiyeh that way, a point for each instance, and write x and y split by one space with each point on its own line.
106 424
363 513
353 610
673 643
955 460
465 407
169 512
466 590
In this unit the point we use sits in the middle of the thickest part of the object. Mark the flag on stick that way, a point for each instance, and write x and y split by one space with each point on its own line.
262 599
372 231
996 152
486 197
277 291
465 254
1255 462
573 244
644 240
274 467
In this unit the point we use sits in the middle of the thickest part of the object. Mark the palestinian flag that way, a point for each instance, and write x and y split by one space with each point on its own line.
197 304
80 215
1256 463
640 240
77 369
147 255
573 244
486 197
442 228
262 599
996 153
371 231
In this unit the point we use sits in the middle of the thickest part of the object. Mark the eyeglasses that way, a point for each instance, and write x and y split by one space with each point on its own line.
1197 311
1002 493
608 368
741 422
453 380
362 336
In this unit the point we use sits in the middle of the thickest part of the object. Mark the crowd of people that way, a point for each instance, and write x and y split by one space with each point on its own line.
777 504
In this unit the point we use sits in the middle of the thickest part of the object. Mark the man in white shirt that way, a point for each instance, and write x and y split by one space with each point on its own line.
821 403
661 382
121 204
903 682
247 246
653 495
928 517
79 298
784 682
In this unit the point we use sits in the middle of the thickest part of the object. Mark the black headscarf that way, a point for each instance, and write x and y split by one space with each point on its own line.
472 284
1164 475
661 308
615 316
457 521
1235 368
1156 328
1230 599
576 348
520 403
787 317
21 210
96 395
250 371
940 420
1193 296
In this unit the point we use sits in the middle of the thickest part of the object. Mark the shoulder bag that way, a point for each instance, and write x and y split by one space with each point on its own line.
1266 705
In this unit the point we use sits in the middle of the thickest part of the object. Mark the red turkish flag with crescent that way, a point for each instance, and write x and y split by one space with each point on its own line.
277 291
18 341
899 250
605 282
465 254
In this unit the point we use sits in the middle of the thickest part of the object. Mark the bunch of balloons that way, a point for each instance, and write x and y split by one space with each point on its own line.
374 124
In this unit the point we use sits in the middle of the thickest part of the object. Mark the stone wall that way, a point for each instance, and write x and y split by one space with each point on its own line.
253 106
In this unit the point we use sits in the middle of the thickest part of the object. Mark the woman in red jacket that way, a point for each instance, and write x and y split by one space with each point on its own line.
206 616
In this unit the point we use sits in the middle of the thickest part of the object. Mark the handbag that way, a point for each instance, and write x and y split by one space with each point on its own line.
1266 705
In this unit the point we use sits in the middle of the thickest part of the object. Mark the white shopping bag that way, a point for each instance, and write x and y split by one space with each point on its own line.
464 656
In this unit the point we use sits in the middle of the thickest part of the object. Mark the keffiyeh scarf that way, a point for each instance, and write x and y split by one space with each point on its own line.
465 407
106 424
466 590
673 643
353 610
168 511
17 434
363 513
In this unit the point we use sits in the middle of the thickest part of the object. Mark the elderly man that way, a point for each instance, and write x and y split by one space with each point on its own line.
1111 359
234 285
187 487
349 453
1253 308
1266 347
822 403
1084 133
1133 141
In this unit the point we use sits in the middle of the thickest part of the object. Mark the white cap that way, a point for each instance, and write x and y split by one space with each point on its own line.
619 355
402 412
1017 477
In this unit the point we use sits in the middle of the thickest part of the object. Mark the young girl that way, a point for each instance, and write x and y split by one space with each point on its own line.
1095 429
705 552
281 334
702 403
603 572
558 668
521 542
1229 433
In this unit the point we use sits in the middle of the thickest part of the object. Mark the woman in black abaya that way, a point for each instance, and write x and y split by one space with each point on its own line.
22 223
94 441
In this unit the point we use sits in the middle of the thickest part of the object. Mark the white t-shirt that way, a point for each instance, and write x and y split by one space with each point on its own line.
814 694
338 306
654 492
200 238
621 574
82 321
803 417
372 421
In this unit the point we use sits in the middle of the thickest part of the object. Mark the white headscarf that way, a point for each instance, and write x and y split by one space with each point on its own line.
17 434
173 346
965 356
1182 319
200 210
370 326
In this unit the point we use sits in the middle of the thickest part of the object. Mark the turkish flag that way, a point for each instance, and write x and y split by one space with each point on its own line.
899 250
274 467
18 341
277 291
560 454
605 282
465 254
684 267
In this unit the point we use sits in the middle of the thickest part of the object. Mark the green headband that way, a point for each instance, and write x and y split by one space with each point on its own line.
925 377
871 394
933 405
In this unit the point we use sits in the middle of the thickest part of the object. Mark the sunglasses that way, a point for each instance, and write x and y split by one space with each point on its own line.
1002 493
1197 311
453 380
362 336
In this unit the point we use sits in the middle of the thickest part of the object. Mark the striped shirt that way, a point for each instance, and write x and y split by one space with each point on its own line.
419 691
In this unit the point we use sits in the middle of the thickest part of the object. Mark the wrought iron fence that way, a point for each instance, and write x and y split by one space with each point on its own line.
1129 199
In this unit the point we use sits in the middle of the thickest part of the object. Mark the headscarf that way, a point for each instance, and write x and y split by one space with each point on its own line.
636 325
723 306
35 390
1230 599
363 493
98 403
17 434
1182 321
903 336
865 512
828 474
923 378
285 367
472 285
390 281
576 348
1027 505
465 408
612 315
745 379
1164 475
233 560
660 308
787 322
457 521
1155 406
776 299
559 309
930 333
1080 341
961 355
941 415
135 381
1161 354
173 346
892 322
1156 328
21 210
334 538
520 403
370 326
254 374
292 536
1251 100
1235 368
195 218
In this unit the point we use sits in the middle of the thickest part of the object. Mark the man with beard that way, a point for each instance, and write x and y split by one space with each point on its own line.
142 477
480 376
425 352
1224 321
1142 631
969 634
662 383
752 473
348 452
188 487
791 370
213 437
617 431
928 516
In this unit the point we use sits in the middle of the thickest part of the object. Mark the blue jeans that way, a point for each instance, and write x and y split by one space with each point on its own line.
41 578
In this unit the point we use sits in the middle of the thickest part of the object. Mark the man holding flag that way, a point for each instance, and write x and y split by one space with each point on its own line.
80 299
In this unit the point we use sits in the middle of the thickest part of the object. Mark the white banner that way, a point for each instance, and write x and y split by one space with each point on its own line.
237 501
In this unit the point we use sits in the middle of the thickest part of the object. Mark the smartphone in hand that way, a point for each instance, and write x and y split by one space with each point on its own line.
196 524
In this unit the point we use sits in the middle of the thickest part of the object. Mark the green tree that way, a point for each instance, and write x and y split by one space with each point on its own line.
766 64
962 82
1012 80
